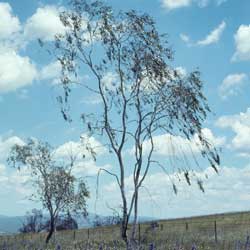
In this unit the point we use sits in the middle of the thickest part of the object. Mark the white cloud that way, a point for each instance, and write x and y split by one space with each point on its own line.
232 85
110 80
6 144
9 24
75 149
214 36
168 145
242 38
174 4
219 2
51 72
16 71
205 3
2 169
83 166
181 71
240 125
22 176
88 168
44 24
78 149
224 192
185 38
16 181
148 86
12 180
202 3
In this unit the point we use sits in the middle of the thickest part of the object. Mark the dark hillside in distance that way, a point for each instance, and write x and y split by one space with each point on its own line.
11 224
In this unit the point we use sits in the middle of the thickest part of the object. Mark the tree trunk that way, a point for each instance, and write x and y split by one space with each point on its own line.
125 220
134 225
130 241
124 227
51 230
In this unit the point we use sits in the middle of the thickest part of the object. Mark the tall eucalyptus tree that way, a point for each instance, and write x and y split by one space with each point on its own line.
141 95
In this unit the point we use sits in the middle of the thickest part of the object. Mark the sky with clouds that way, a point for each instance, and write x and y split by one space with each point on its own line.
211 35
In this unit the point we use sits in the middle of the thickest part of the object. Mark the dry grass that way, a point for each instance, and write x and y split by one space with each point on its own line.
180 234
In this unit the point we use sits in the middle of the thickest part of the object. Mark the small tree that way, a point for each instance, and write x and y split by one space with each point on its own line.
144 96
33 222
53 182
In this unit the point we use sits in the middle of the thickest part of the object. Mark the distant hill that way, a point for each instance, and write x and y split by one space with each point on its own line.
9 225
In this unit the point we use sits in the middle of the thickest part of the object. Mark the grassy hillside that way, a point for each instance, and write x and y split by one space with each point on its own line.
222 231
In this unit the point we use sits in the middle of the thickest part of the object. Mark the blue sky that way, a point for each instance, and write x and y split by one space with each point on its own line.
212 35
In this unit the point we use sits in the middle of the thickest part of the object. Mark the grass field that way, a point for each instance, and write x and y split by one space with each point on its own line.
222 231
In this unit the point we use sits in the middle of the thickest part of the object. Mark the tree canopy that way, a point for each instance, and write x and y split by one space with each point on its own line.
143 97
54 185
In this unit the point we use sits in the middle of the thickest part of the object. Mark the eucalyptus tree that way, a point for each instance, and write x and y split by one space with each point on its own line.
141 95
54 185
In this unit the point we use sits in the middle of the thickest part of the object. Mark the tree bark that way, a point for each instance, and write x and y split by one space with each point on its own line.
51 230
134 225
124 226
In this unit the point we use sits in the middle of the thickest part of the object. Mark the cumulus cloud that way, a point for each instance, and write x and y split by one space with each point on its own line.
6 144
148 86
88 168
169 145
175 4
44 24
84 163
242 38
240 125
18 182
78 148
12 180
15 182
9 24
232 85
51 72
224 192
16 71
19 71
17 185
214 36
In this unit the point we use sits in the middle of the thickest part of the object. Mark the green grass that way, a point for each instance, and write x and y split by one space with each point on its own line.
232 229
